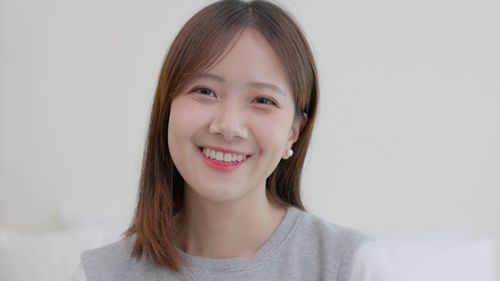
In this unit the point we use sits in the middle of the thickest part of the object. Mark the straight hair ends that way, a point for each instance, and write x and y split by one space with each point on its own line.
199 44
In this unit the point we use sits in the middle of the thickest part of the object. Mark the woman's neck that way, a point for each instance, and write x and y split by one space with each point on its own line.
227 230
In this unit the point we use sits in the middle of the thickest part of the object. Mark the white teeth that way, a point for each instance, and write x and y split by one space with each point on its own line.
223 157
219 156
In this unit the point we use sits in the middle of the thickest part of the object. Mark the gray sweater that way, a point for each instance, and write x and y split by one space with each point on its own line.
303 247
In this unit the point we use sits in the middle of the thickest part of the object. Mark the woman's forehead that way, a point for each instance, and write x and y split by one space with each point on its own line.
252 59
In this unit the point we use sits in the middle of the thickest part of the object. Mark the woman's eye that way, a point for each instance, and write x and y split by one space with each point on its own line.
264 100
203 91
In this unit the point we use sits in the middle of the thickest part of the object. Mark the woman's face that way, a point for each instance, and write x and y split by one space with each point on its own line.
232 124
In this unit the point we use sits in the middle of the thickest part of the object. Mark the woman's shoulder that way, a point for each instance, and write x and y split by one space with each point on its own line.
358 254
115 250
361 256
113 260
320 228
332 241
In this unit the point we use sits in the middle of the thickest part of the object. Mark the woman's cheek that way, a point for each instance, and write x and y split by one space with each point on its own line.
187 111
270 127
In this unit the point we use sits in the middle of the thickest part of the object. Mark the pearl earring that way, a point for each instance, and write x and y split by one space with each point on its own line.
289 153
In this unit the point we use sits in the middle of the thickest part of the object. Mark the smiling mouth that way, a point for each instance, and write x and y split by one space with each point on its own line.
223 157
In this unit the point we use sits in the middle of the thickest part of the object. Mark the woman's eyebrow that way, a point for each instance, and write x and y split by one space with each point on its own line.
253 84
209 76
264 85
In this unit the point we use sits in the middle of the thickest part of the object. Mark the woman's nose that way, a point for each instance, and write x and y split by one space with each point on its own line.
229 122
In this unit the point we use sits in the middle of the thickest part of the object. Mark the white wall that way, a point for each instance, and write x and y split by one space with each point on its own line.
407 137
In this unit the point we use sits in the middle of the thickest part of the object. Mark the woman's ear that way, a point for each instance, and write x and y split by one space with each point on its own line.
305 118
297 126
294 133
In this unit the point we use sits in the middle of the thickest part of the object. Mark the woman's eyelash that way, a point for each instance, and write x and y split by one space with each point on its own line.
264 100
209 92
203 91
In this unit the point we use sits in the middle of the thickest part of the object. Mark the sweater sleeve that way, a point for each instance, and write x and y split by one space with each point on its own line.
79 274
371 263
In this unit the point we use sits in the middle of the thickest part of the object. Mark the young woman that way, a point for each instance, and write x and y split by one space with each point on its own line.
220 187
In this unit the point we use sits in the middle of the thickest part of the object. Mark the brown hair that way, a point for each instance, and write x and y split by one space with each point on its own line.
199 44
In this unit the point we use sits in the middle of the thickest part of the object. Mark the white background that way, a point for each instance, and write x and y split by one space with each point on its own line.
407 137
